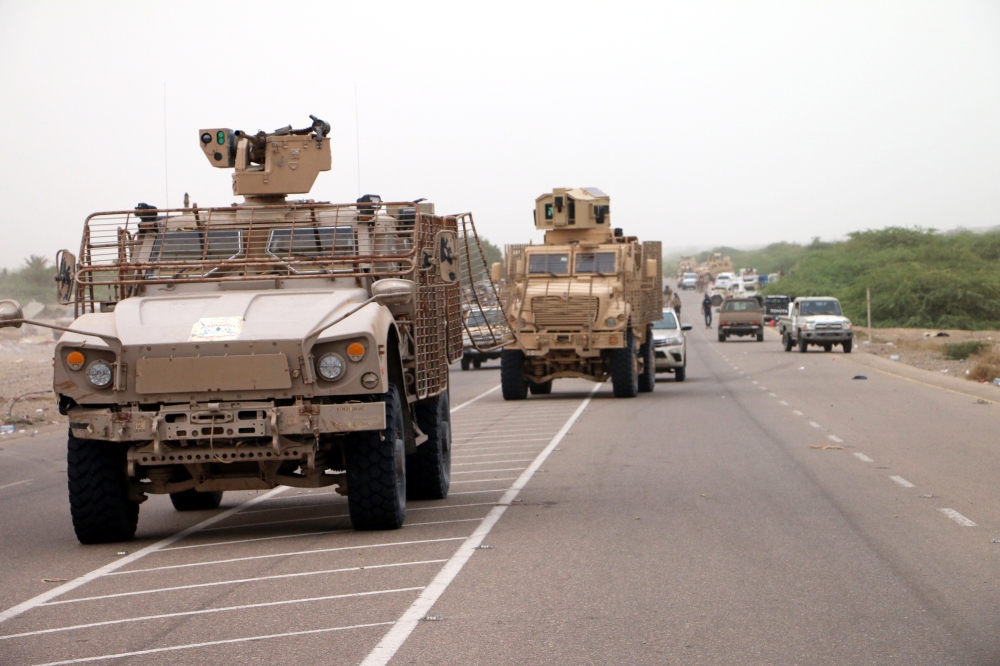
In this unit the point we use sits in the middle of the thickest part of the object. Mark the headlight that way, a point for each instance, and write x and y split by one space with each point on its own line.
330 366
99 374
809 326
675 341
611 322
848 325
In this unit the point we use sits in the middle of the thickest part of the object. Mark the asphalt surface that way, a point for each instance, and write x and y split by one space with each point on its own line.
771 509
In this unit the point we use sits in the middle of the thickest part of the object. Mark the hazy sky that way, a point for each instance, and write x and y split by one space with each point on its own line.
741 123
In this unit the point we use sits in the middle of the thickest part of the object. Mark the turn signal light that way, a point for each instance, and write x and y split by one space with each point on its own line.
74 360
355 351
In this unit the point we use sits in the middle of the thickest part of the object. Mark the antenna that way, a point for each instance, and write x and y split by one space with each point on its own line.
166 174
357 135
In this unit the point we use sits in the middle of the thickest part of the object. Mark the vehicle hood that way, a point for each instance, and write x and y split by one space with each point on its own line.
253 315
827 319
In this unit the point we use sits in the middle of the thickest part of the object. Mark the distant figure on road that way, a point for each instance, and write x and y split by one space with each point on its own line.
706 307
675 303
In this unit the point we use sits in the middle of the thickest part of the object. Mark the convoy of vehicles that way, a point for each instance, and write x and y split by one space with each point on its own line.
816 321
583 303
741 317
670 345
269 343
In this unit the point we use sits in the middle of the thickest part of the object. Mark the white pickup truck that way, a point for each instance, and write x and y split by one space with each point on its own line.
816 321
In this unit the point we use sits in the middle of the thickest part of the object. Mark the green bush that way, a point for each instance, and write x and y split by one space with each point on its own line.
35 281
959 351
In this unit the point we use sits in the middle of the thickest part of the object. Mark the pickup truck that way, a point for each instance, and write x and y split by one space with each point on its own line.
816 321
775 307
741 316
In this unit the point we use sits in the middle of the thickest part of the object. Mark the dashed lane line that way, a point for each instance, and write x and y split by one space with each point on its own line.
957 517
34 602
228 641
782 402
401 630
509 478
16 483
772 395
862 457
478 397
815 425
903 482
490 462
797 412
834 438
489 471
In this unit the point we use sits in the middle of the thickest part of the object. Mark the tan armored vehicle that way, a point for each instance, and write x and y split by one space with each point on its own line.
583 303
269 343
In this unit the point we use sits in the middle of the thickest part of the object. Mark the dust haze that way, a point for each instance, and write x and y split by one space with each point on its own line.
707 122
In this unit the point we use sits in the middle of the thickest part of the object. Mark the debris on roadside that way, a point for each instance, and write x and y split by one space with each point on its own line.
53 580
859 377
894 357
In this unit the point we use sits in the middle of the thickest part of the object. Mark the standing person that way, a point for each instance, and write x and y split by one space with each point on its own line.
675 303
706 307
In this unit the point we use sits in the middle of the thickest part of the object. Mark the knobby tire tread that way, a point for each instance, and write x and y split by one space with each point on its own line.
98 492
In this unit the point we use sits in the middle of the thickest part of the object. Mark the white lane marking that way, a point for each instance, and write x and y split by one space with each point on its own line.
329 493
782 402
409 509
493 448
754 381
489 455
862 457
305 534
491 439
469 402
291 554
479 492
16 483
48 595
762 388
957 517
797 412
903 482
228 641
490 462
489 471
508 478
157 590
772 395
834 438
815 425
401 630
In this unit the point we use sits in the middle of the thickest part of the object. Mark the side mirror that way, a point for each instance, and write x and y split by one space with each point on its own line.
446 255
495 272
685 327
10 314
65 276
393 291
651 269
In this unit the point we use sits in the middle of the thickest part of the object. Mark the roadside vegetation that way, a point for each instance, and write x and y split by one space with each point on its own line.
34 281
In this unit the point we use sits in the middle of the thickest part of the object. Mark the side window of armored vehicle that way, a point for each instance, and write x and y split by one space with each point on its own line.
190 245
311 242
825 307
595 262
554 264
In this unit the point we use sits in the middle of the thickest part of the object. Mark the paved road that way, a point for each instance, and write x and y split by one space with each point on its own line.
705 523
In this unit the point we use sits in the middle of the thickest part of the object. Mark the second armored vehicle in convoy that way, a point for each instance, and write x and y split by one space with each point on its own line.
816 321
270 343
583 303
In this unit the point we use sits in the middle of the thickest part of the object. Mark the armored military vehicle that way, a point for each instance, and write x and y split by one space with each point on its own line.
583 303
269 343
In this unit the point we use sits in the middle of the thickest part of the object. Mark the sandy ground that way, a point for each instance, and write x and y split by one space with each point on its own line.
921 348
26 399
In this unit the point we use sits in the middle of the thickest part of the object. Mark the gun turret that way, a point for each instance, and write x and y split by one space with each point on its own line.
581 213
285 161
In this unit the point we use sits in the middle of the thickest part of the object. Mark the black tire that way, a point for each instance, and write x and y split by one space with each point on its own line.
192 500
465 363
848 346
803 345
786 340
680 374
513 384
428 470
828 347
477 363
99 492
625 369
647 378
544 388
376 472
760 335
722 336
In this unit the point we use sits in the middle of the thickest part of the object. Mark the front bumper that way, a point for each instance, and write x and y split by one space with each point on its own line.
669 358
208 423
827 336
585 345
742 329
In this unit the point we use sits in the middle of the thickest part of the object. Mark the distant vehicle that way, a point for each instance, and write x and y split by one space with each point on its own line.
689 281
816 321
762 280
775 307
772 278
722 280
670 345
480 328
741 316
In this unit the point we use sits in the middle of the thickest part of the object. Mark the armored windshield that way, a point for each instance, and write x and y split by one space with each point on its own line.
481 318
595 262
311 241
551 264
826 307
